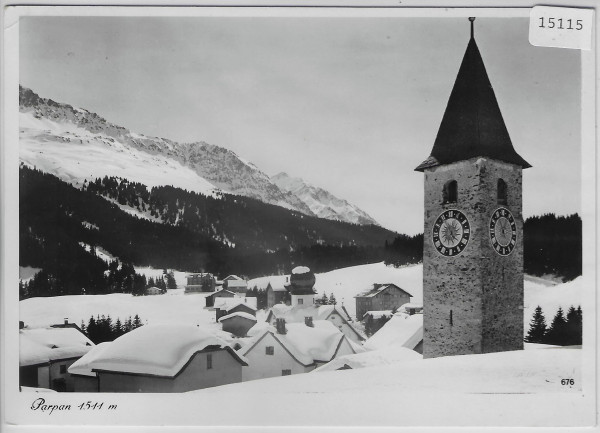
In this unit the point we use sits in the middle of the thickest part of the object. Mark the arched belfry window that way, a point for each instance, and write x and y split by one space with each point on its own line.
502 192
450 192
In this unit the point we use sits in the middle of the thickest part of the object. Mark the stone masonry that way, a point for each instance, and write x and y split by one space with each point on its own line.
480 288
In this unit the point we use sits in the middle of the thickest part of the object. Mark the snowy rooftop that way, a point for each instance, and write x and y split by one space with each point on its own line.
401 330
297 313
378 314
377 289
307 344
238 314
373 358
300 270
41 345
228 303
82 365
162 350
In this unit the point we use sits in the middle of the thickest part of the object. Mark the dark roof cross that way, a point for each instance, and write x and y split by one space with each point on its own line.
472 27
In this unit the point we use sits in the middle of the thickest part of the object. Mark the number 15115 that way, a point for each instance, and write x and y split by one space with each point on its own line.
551 23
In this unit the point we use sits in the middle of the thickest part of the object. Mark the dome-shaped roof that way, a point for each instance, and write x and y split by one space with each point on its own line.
302 279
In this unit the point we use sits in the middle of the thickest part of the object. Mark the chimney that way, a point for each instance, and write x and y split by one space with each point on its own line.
308 321
280 326
21 324
66 320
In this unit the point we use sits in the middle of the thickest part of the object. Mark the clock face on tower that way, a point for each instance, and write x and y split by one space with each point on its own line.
451 232
503 231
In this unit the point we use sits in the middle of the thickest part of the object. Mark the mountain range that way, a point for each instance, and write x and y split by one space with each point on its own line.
77 146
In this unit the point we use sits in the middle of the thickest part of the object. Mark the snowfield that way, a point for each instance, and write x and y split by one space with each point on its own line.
75 154
176 307
504 372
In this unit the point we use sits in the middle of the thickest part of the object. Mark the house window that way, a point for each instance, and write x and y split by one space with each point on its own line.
63 369
450 192
209 361
270 350
300 301
502 192
286 372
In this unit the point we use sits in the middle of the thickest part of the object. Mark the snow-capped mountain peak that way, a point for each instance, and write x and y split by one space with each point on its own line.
321 202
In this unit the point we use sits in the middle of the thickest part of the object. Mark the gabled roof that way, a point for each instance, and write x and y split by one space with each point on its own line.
228 303
377 288
232 277
158 350
43 345
241 314
472 125
305 344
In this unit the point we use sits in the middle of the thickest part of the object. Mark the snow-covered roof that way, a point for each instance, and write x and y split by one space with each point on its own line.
228 303
236 283
41 345
82 365
401 330
411 305
376 289
306 344
300 270
232 277
378 314
238 314
372 358
297 313
161 350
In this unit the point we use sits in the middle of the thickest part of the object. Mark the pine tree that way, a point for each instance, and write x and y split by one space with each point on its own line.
574 326
117 329
171 283
323 300
537 327
332 300
137 322
558 329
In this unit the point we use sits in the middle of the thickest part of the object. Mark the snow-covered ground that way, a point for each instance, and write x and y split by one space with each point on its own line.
505 372
344 283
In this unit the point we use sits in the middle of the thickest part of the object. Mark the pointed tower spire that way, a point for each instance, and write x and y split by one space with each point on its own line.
472 125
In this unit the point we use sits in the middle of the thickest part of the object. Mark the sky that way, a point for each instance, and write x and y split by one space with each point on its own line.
351 105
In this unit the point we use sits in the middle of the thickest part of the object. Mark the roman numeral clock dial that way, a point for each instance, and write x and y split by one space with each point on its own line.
503 231
451 232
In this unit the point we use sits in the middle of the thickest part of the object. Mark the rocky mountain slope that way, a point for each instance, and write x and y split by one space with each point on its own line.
321 202
76 144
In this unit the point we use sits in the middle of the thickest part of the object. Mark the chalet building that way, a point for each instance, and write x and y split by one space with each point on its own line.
276 293
200 282
153 291
380 297
238 322
210 299
166 358
45 355
292 348
330 313
235 284
225 306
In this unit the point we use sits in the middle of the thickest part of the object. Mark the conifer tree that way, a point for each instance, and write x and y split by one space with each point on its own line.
537 327
323 300
574 326
332 300
558 329
137 322
171 283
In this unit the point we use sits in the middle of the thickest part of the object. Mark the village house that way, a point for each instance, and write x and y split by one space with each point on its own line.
84 379
330 313
45 355
235 284
200 282
225 306
238 322
210 299
402 330
276 293
292 348
166 358
380 297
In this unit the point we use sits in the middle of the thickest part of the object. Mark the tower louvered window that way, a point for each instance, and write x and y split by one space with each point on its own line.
502 192
450 192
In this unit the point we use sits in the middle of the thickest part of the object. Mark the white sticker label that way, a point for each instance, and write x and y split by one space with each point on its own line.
561 27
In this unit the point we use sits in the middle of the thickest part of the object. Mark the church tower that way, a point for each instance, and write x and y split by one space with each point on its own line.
473 235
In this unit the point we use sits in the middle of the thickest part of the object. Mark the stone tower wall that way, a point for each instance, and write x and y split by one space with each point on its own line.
483 290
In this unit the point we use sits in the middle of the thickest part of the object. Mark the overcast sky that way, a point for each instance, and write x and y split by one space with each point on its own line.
352 105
